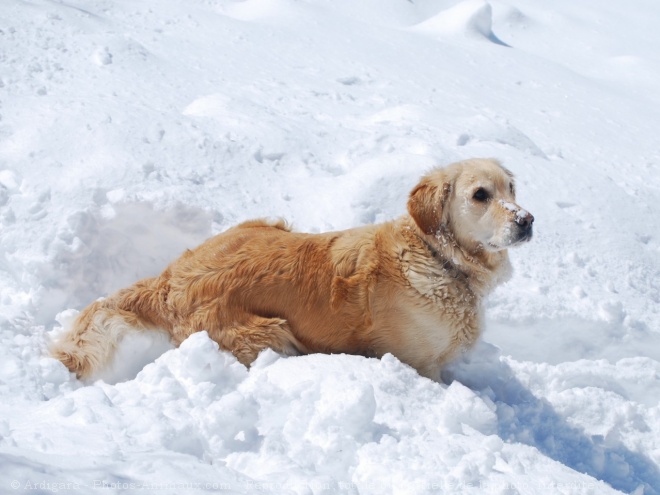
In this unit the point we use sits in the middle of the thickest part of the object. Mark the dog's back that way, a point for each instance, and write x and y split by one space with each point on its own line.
256 285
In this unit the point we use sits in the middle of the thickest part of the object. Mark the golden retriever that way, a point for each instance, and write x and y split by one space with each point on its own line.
411 287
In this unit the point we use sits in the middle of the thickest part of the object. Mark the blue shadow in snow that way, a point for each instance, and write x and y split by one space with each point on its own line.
524 418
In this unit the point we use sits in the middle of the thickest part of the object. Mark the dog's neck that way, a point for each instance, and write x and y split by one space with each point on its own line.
481 269
448 264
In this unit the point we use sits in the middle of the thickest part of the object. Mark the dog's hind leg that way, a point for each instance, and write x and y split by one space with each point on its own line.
256 333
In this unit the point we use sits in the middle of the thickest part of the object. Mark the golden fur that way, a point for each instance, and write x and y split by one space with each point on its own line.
411 287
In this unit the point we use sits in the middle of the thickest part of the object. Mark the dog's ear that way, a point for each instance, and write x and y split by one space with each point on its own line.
427 201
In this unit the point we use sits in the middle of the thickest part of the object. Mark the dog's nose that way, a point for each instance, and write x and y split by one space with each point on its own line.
524 219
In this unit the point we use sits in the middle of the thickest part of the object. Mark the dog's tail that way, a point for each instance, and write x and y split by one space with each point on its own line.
97 330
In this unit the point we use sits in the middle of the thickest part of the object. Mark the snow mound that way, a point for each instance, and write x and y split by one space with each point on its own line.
470 18
112 245
322 424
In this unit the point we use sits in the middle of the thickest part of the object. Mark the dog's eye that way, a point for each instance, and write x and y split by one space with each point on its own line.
481 195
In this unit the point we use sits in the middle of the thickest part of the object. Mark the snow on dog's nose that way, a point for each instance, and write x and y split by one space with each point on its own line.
523 219
522 216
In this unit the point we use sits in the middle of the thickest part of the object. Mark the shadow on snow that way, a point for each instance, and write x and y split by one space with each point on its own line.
524 418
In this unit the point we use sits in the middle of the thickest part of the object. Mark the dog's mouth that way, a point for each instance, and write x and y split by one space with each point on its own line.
523 235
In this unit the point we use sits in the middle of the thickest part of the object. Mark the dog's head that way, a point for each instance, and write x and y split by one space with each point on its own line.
475 202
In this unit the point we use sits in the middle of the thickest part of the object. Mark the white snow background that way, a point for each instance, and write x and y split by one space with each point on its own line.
133 129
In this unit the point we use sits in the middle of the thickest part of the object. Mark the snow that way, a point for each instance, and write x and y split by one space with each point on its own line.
131 130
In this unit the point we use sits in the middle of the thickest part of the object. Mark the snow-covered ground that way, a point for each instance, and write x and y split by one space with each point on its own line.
132 129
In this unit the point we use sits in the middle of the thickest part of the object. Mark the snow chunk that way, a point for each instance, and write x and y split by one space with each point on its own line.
9 180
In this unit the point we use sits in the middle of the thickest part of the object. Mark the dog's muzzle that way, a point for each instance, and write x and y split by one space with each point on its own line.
524 220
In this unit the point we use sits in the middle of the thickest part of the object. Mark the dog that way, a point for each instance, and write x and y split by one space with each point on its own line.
412 287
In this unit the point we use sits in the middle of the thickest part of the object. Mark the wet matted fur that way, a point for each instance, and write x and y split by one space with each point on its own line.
411 287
